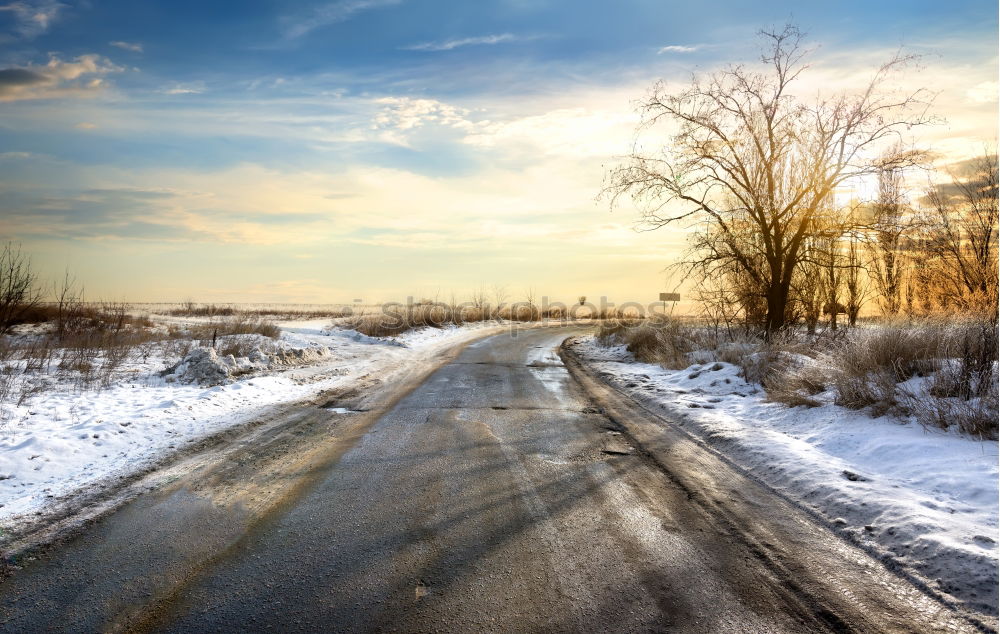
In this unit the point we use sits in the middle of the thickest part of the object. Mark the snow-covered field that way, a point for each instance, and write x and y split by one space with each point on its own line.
928 499
63 440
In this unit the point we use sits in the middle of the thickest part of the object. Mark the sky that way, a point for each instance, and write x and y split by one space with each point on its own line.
317 152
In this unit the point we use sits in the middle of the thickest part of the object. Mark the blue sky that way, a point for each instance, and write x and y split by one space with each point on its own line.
318 151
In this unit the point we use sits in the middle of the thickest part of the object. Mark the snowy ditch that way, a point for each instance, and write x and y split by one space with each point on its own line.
926 499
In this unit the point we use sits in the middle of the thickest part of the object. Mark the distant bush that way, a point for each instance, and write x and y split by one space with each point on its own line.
190 309
395 319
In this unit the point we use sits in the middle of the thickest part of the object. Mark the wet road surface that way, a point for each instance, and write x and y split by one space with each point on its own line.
493 496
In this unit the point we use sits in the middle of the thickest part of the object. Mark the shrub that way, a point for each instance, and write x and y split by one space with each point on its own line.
659 340
190 309
19 292
395 319
944 373
239 324
240 345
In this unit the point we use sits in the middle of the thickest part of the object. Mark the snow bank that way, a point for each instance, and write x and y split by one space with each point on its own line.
62 440
927 498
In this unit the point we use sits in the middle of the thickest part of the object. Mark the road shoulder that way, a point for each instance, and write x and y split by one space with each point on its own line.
737 498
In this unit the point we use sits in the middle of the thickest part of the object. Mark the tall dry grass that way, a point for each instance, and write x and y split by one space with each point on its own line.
659 339
191 309
942 371
395 319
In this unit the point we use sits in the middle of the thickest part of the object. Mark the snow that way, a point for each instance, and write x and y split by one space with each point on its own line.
927 499
64 440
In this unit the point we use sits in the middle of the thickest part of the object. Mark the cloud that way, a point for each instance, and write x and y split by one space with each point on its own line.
82 77
400 115
570 132
85 125
448 45
33 17
193 88
984 92
331 13
135 47
675 48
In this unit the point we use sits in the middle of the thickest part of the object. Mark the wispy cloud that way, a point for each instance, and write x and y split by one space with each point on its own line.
676 48
33 17
331 13
984 92
178 88
79 78
135 47
448 45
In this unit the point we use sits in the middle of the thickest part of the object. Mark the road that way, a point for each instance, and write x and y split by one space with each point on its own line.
493 494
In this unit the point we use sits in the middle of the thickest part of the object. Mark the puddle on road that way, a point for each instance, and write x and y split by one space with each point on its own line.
342 410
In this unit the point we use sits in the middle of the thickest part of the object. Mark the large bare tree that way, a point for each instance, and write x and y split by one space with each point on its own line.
750 163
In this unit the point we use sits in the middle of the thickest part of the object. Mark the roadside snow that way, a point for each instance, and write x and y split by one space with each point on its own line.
929 498
63 440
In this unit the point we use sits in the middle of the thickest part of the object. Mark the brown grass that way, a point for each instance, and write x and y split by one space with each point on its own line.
191 309
239 324
395 319
957 356
659 339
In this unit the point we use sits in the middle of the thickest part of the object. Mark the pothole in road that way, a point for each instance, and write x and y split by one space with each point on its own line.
614 445
617 451
420 591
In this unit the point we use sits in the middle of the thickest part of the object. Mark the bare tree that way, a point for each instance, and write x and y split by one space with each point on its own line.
891 219
746 155
831 280
19 292
530 296
499 299
963 241
480 302
807 286
68 305
855 280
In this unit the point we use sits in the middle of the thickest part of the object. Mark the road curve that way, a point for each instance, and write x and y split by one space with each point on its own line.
494 496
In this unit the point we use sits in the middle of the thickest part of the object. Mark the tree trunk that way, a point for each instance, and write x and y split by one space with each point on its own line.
777 301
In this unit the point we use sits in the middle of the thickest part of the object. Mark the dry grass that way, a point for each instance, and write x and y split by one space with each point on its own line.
86 344
239 324
190 309
395 319
953 362
659 339
941 371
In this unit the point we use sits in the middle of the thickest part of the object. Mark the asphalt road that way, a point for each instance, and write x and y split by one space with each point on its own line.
495 495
